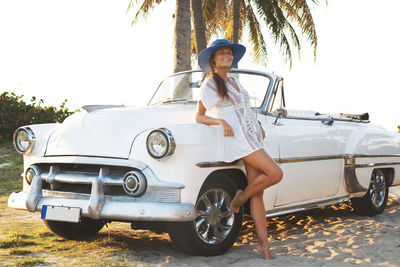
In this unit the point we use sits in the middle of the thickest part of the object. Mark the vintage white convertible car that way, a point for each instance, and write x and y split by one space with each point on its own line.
156 168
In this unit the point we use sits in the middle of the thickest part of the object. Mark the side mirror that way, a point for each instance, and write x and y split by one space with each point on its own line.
280 112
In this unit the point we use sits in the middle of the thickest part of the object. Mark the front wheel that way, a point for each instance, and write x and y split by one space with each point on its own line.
375 201
216 228
83 230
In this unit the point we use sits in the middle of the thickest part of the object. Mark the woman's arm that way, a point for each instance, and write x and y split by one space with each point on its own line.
201 117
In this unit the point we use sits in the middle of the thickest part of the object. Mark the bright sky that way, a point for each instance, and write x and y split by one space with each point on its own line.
87 51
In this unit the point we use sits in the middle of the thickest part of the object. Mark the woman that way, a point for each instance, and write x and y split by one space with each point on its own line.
243 135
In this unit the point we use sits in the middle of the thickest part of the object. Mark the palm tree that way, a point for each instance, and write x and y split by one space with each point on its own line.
182 29
235 20
235 16
276 15
182 36
200 41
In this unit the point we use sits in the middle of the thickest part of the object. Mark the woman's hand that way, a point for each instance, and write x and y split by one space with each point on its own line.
201 117
228 131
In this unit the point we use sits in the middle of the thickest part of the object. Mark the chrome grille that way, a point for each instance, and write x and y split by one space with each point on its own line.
75 181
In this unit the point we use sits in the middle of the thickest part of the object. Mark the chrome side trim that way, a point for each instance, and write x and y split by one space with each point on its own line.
339 156
208 164
287 210
350 160
372 156
375 164
312 158
350 177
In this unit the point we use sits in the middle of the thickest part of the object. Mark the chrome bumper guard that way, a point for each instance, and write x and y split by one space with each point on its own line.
99 206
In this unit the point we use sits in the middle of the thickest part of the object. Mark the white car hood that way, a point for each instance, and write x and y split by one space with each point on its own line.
110 132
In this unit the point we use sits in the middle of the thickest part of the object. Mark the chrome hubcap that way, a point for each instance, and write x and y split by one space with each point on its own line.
377 189
214 219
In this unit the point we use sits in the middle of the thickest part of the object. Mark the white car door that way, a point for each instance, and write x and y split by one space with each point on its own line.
271 145
310 153
310 157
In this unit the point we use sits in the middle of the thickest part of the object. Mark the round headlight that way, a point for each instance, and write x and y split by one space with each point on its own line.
160 143
24 140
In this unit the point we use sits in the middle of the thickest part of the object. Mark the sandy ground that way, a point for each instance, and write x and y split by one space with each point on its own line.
330 236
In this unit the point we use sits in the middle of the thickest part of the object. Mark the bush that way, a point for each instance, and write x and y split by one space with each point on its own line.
15 112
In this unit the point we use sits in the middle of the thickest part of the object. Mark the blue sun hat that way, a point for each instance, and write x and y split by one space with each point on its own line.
204 56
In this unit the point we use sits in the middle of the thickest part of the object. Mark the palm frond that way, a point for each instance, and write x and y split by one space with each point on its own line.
290 11
276 25
259 52
229 30
288 28
316 2
216 16
295 39
307 24
242 21
144 10
209 7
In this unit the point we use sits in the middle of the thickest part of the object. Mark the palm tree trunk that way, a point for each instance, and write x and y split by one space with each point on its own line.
236 18
198 21
235 23
182 36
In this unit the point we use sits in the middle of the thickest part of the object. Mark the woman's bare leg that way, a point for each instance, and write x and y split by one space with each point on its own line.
269 174
257 211
262 172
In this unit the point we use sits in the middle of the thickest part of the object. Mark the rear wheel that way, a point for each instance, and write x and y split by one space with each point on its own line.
375 200
216 228
83 230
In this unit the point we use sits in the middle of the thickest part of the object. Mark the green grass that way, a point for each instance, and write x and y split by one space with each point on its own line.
10 175
31 261
25 241
15 239
17 251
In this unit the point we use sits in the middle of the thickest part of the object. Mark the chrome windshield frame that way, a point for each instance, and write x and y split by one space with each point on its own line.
262 109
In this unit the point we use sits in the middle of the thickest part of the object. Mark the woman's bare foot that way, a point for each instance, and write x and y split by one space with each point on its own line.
236 203
265 250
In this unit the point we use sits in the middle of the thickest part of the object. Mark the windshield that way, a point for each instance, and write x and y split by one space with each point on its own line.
185 87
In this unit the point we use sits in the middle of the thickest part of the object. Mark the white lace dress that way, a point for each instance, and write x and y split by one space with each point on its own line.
236 111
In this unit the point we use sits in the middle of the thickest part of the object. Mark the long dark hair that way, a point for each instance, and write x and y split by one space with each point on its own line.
221 86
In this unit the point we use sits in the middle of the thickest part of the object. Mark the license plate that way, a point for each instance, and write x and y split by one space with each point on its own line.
64 214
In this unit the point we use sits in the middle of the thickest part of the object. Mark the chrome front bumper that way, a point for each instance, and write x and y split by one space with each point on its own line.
114 210
98 206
